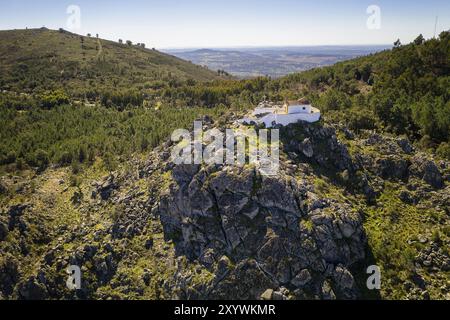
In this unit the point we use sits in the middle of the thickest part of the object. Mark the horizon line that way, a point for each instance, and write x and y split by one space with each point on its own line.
216 47
279 46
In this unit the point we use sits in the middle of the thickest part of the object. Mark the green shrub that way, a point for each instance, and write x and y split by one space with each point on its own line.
42 159
436 236
65 158
20 164
110 162
359 119
52 99
443 150
74 180
9 158
76 168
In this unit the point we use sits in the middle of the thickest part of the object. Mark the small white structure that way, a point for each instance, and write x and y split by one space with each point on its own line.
290 112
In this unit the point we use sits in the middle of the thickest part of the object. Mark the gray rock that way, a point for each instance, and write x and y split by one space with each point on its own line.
347 229
105 188
149 243
307 148
246 281
31 289
15 213
427 170
327 291
374 139
277 295
320 145
184 173
267 295
392 167
405 145
224 265
251 212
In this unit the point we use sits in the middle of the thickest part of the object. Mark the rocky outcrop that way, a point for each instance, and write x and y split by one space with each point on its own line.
32 289
318 144
264 225
306 148
434 256
282 238
3 187
392 167
105 188
159 230
15 214
426 170
405 145
395 159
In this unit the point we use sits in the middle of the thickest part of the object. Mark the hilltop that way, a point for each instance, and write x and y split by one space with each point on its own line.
37 59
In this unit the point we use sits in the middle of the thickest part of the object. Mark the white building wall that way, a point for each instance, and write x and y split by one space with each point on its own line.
264 110
300 109
286 119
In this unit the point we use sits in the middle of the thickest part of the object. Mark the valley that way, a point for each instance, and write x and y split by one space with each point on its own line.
273 62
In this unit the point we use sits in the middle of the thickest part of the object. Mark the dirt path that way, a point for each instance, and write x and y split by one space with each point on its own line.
100 48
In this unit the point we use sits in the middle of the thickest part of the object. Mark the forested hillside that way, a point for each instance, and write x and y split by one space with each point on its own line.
67 99
40 59
405 91
85 178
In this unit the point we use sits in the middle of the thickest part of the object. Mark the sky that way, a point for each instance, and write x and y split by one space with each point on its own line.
165 24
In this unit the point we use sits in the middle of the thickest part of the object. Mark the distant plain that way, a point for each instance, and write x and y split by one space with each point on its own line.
272 61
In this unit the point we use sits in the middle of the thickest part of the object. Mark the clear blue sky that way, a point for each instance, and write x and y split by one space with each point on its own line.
230 23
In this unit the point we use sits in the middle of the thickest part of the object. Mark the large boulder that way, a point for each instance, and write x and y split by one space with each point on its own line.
427 170
392 167
405 145
306 148
265 225
15 214
105 188
318 144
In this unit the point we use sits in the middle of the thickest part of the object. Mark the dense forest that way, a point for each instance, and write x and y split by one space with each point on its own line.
404 90
67 107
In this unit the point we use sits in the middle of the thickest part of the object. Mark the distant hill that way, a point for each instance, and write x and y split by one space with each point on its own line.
38 59
275 61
